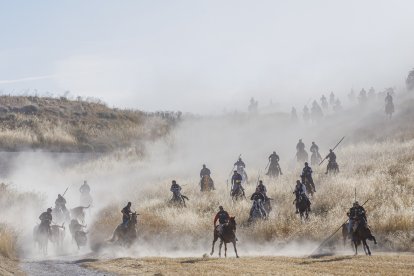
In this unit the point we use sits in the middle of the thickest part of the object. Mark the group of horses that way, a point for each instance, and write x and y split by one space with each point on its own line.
56 232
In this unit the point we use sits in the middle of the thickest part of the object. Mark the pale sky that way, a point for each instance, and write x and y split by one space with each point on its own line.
204 56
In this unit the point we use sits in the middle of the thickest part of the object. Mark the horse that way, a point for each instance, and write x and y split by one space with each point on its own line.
302 156
361 234
80 238
332 167
57 235
257 211
315 158
274 170
267 205
308 185
206 184
125 236
78 213
303 207
178 200
237 194
78 235
389 109
41 235
228 235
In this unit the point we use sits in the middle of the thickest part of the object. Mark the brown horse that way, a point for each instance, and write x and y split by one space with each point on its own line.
361 234
228 235
206 184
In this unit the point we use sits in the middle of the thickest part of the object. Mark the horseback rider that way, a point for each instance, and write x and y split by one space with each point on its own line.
126 214
240 165
274 163
307 174
46 219
300 191
258 196
60 203
331 160
262 189
357 215
236 185
205 171
175 189
85 189
300 146
223 217
388 98
314 148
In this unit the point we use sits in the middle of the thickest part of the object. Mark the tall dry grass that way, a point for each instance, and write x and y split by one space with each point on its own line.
382 173
8 242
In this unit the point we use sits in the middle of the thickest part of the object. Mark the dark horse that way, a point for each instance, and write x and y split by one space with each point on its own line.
178 200
125 236
332 167
315 158
308 185
360 235
206 184
303 207
237 194
389 108
41 234
229 235
302 156
274 170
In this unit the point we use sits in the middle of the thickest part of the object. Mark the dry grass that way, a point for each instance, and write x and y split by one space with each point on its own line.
58 124
8 242
336 265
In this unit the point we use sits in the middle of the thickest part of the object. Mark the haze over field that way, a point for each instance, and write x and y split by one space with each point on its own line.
204 57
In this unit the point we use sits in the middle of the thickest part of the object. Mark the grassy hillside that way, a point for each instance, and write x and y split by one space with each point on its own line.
59 124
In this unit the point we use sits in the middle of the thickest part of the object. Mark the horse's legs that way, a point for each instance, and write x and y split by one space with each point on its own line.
225 250
367 247
356 248
364 246
235 249
221 244
212 248
373 238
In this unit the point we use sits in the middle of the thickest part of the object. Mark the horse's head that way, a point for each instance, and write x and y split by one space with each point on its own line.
134 218
232 222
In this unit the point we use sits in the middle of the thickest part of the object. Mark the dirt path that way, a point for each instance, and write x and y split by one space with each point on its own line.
59 267
401 264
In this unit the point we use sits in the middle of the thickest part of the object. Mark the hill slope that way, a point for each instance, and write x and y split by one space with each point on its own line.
59 124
